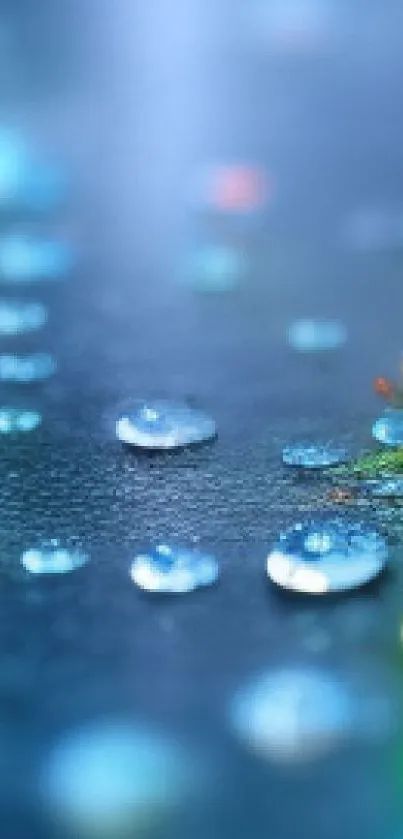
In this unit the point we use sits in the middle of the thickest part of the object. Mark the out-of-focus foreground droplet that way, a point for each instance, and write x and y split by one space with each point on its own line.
293 714
214 268
114 780
316 335
26 258
26 369
16 317
297 714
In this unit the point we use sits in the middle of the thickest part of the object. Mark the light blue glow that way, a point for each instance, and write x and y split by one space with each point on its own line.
311 456
384 487
175 570
15 420
316 335
25 258
388 429
293 714
159 424
215 268
30 368
51 557
17 318
14 161
317 557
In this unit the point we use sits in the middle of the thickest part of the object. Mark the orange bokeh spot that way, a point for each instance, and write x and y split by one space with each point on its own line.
238 189
383 387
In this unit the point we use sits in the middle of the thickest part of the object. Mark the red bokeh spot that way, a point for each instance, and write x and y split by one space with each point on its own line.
238 189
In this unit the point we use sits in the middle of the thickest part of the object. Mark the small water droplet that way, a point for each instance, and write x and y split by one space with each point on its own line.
52 557
312 456
327 556
164 425
175 570
388 429
14 420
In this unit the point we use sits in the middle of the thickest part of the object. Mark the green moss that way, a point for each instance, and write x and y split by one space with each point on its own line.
373 465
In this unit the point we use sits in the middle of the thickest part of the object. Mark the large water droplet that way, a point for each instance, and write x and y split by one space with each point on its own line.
172 569
17 318
293 714
52 557
316 335
16 420
388 429
30 368
164 425
311 456
26 259
317 557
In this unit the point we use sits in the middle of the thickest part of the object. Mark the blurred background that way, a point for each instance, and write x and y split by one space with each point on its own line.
200 200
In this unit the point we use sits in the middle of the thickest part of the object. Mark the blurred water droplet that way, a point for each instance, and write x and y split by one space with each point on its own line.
388 429
313 456
215 268
28 259
17 318
16 420
52 557
30 368
316 335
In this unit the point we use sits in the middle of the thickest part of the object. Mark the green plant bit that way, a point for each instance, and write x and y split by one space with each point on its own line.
373 465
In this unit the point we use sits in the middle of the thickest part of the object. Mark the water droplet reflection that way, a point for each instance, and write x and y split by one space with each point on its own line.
317 557
313 456
160 424
52 557
174 570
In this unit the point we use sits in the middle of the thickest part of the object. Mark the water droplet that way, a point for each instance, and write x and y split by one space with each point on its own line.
312 456
327 556
14 420
164 425
17 318
115 780
215 268
51 557
293 714
316 335
172 569
28 259
30 368
388 429
384 487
